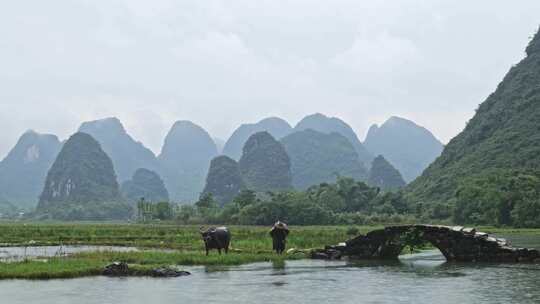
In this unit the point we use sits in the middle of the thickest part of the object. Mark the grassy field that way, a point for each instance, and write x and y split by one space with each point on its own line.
249 244
251 239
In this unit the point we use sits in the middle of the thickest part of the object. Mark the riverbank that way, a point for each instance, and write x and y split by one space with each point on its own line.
249 244
184 244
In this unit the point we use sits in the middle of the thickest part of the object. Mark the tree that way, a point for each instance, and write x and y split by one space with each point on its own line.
501 197
245 198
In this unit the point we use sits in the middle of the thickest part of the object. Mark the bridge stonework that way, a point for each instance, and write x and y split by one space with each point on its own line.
455 243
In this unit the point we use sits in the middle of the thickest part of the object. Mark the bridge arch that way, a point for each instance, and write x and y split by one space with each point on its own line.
455 243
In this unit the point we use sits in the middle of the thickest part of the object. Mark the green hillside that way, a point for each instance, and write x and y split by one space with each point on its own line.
224 180
502 137
81 184
265 165
383 175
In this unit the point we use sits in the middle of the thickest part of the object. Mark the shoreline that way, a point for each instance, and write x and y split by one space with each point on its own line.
180 246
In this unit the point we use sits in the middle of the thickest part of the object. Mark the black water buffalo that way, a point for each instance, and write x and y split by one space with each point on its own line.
279 233
216 238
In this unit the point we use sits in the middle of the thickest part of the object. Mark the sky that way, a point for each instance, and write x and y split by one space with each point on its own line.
220 63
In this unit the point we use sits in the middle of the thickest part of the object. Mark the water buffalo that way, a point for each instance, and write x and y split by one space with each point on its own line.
279 233
216 238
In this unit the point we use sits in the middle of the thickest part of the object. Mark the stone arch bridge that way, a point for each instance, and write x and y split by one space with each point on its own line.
455 243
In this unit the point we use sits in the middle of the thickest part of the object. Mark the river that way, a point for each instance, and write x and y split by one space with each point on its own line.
416 278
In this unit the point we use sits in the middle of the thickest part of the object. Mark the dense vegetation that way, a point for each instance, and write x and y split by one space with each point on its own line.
224 180
184 160
383 175
145 184
500 197
409 147
126 154
23 171
277 127
505 135
345 202
265 165
319 157
325 124
81 183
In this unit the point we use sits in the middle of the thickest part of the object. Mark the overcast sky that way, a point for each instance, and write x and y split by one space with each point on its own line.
221 63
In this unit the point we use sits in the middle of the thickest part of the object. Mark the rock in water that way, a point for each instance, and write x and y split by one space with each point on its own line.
166 272
318 157
185 159
409 147
224 180
116 269
277 127
23 171
325 124
81 183
383 175
145 184
265 165
126 154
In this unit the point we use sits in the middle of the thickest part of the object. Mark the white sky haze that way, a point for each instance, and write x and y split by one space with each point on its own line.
220 63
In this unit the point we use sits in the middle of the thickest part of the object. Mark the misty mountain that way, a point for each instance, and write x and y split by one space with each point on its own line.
6 208
383 175
23 170
126 154
319 157
220 144
224 180
185 159
325 124
277 127
409 147
265 165
503 135
145 184
81 183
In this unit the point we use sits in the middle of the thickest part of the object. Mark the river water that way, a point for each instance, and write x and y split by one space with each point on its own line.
416 278
19 253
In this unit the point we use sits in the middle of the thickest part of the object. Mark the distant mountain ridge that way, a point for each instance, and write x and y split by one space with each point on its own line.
265 165
409 147
383 175
322 123
127 154
318 157
145 184
24 169
275 126
188 149
224 180
185 159
81 183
